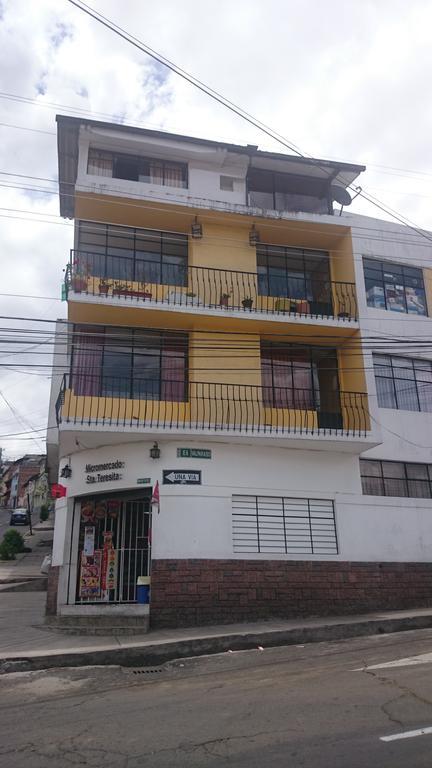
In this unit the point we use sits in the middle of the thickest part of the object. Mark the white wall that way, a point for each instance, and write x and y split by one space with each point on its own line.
195 521
406 435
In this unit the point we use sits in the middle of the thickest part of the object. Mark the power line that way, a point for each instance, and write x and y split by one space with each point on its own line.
101 19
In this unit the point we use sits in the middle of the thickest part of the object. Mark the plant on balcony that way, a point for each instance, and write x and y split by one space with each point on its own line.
123 289
223 301
247 302
80 275
104 286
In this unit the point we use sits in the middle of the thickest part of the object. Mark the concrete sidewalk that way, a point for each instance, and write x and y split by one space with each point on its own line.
27 564
27 644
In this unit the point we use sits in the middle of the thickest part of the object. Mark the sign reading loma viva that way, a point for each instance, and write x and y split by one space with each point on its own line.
94 472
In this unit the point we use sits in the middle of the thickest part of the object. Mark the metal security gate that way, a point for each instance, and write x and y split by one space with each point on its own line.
114 547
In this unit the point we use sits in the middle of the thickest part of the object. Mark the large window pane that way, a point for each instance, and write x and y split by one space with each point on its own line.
399 479
395 287
403 383
127 254
372 486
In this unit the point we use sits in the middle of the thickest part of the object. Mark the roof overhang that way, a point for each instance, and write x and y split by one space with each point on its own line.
341 174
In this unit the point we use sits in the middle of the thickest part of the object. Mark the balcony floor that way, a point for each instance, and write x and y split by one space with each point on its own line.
94 435
220 315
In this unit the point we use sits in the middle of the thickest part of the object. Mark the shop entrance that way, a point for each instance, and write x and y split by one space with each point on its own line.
114 546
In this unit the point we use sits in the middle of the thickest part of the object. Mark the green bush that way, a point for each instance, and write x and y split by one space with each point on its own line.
44 513
6 551
13 540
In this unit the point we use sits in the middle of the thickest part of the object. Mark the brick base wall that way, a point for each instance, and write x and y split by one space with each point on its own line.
196 592
52 588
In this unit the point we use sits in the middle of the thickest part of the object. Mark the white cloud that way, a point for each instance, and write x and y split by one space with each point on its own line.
345 80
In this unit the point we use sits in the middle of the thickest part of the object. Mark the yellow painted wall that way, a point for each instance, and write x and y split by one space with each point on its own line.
225 247
427 277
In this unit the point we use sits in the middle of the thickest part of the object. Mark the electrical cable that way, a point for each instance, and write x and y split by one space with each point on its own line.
101 19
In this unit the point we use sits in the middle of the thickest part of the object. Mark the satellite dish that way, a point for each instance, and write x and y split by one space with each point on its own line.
340 194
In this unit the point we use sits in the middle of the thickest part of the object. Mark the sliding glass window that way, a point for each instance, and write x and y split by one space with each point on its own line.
120 165
396 478
136 255
302 378
395 287
129 363
403 383
294 273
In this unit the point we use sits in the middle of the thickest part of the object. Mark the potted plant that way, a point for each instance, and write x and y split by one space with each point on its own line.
79 283
247 302
223 301
104 287
144 292
80 275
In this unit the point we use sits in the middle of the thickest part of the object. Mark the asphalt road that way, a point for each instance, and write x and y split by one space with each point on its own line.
4 522
299 707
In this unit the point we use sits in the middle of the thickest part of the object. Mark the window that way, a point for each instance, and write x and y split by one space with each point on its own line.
281 525
285 192
129 363
394 287
227 183
134 168
124 253
295 274
302 378
396 478
403 383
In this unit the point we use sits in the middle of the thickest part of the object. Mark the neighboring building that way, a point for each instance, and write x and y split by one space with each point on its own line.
37 490
15 478
221 341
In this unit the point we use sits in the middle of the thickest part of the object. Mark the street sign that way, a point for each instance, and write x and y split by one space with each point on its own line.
181 477
144 481
194 453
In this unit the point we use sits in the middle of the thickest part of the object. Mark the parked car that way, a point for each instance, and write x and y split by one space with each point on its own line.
19 517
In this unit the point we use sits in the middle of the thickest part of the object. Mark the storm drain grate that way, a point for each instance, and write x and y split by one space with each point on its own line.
147 671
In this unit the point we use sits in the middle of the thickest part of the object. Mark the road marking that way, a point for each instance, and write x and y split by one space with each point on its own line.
407 734
423 658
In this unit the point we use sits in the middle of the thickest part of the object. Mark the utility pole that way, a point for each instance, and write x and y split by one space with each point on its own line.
29 514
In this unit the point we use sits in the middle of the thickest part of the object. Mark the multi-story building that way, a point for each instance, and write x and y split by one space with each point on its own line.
15 476
222 334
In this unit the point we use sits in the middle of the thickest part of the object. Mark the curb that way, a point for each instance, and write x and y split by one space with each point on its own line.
159 653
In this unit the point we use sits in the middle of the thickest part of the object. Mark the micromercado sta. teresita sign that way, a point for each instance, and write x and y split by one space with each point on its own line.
181 476
104 473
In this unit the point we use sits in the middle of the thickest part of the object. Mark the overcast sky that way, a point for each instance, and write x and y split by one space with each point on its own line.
341 80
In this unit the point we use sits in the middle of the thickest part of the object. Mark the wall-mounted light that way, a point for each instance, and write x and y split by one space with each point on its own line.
196 229
66 471
155 452
254 237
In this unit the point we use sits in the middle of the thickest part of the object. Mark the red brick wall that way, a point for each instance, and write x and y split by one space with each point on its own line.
194 592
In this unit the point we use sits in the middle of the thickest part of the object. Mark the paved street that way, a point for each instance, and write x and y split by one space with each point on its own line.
314 706
4 522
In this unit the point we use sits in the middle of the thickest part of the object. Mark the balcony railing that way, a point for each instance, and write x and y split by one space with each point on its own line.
208 288
215 407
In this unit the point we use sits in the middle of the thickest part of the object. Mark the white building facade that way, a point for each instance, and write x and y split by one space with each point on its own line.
289 436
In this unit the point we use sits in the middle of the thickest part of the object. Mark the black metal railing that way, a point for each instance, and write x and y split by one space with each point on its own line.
208 288
214 406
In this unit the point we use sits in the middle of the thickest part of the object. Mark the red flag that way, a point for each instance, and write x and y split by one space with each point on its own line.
58 491
155 494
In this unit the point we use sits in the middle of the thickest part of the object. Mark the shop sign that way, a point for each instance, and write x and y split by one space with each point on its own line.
90 575
108 562
103 473
194 453
89 539
181 477
144 481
